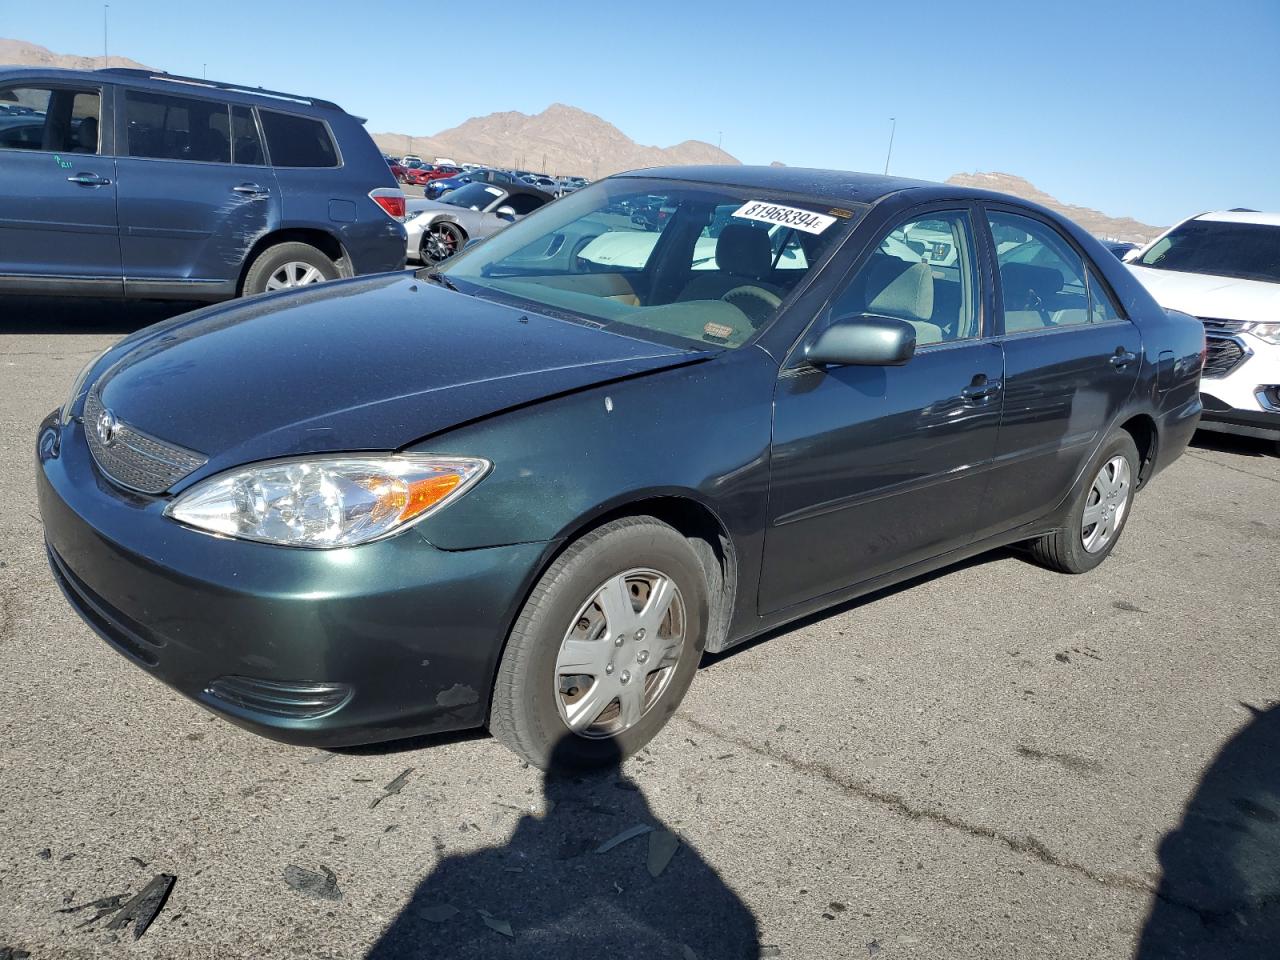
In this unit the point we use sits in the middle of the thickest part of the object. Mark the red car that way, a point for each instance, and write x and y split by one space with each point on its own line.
397 170
430 171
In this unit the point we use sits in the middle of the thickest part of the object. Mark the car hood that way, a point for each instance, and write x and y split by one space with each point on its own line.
1204 295
371 364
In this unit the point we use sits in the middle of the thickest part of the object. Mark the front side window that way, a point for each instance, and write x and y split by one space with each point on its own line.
524 204
924 271
680 263
1041 276
162 127
51 120
297 141
1221 248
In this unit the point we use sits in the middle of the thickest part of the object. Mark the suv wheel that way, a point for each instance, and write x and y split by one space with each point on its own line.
287 265
605 647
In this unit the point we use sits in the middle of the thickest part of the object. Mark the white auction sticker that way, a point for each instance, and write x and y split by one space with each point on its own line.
766 212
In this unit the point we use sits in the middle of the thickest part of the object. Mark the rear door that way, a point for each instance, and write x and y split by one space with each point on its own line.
195 192
57 188
875 468
1071 363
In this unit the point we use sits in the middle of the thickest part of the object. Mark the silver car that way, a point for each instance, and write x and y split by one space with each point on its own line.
437 229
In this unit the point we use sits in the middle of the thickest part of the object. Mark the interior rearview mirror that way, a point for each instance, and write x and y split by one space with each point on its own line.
863 340
506 213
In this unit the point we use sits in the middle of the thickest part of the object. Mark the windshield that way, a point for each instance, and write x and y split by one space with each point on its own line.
472 196
678 263
1246 251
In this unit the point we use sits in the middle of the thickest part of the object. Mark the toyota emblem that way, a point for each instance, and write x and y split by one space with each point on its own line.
106 428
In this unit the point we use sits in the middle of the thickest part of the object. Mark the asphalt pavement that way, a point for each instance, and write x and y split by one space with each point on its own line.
994 762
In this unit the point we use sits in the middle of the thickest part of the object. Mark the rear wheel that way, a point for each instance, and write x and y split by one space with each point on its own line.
288 265
441 241
604 649
1097 519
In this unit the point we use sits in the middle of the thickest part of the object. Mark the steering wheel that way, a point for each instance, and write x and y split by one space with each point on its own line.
759 295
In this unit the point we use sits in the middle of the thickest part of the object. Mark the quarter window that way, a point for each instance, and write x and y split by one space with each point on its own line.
162 127
1102 309
1042 278
923 272
297 141
51 120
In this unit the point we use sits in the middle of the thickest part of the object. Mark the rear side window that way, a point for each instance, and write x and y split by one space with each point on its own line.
1041 275
297 141
162 127
524 203
246 145
53 120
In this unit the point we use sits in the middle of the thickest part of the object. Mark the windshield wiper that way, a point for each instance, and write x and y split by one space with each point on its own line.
437 277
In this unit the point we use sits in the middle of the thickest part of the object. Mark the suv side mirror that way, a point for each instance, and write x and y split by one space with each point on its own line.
506 213
863 340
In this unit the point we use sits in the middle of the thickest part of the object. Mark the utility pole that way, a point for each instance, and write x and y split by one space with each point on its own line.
894 126
106 59
719 138
206 71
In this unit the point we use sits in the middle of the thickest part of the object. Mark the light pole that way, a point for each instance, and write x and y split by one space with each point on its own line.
894 126
106 59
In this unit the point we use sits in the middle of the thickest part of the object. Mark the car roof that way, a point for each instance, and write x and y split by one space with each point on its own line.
1242 216
161 82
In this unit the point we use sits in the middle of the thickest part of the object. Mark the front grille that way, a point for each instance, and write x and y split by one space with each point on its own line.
132 458
1214 325
1224 355
293 700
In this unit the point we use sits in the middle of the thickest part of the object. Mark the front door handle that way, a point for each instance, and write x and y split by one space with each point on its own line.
981 389
89 180
252 189
1122 358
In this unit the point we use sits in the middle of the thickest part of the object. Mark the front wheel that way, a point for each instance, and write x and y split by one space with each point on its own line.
441 241
1098 516
605 647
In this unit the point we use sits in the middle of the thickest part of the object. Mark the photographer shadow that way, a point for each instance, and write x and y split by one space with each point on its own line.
557 889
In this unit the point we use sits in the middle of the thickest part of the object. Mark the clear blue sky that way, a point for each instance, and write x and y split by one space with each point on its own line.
1151 109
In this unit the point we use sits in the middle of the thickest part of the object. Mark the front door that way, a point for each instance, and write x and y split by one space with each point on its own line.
195 193
57 190
874 468
1071 363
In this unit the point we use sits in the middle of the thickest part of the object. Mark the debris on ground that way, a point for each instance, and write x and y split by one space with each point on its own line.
493 923
663 845
835 906
638 830
102 906
439 913
1062 658
140 862
320 756
45 854
145 907
770 950
392 788
323 885
873 948
13 953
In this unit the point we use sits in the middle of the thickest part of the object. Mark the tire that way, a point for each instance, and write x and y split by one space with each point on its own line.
1068 549
267 264
534 693
440 241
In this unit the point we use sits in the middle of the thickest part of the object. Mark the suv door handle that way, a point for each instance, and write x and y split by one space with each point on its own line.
89 180
981 389
252 189
1122 358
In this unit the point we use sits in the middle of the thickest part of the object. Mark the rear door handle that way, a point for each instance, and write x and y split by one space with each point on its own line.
89 180
252 189
981 389
1122 358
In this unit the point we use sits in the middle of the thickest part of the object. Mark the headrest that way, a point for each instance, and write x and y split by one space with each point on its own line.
87 133
1021 279
907 294
744 251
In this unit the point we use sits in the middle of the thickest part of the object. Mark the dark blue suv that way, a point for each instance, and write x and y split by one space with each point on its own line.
127 182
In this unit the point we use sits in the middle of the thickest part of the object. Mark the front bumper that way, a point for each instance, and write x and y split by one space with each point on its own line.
1245 399
320 647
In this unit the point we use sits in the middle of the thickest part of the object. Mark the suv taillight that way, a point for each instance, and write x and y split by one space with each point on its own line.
391 201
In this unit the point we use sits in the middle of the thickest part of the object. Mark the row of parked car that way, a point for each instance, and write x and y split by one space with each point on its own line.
450 175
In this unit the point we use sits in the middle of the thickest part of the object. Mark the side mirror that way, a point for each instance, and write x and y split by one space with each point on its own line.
863 340
506 213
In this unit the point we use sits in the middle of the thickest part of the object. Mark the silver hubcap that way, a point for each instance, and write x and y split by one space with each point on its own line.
295 273
1106 504
620 653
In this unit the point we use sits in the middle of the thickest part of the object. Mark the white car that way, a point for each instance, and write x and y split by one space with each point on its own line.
1225 269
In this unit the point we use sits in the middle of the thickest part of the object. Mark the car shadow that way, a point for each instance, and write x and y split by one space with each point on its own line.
1219 892
595 875
63 315
1232 443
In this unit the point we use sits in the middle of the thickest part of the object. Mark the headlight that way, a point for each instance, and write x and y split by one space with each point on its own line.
1270 332
77 386
326 501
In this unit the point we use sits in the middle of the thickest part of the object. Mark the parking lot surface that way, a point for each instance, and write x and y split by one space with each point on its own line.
994 762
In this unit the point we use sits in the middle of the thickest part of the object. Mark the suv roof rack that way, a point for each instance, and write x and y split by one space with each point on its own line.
218 85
